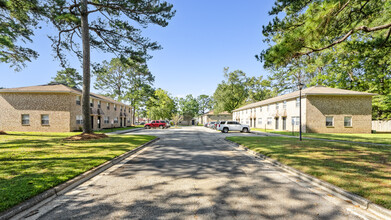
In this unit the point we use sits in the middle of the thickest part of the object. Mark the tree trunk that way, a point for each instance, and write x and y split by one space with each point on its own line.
86 68
134 114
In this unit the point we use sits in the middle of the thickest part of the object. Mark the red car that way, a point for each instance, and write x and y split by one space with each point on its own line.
156 124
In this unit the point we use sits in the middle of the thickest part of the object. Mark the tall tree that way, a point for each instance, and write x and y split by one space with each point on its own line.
343 44
160 105
69 77
205 103
109 30
189 107
18 18
113 78
125 79
231 92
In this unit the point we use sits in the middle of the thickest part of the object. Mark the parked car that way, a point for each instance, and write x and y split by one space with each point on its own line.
156 124
218 124
233 126
211 124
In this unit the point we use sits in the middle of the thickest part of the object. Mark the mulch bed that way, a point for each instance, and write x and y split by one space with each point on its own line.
2 133
86 136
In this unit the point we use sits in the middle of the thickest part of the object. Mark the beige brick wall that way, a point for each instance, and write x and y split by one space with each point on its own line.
359 107
111 113
13 105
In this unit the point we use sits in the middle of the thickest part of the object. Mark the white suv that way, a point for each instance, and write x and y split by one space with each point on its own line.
233 126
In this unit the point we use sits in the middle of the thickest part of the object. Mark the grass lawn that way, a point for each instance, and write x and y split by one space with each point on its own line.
31 163
108 130
371 138
362 169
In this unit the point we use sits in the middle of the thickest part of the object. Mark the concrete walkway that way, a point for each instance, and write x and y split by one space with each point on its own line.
192 173
319 139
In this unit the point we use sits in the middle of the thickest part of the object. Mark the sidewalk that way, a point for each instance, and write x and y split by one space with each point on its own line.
318 139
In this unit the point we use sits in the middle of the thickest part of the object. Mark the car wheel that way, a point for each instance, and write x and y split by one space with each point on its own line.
245 130
225 130
147 127
161 127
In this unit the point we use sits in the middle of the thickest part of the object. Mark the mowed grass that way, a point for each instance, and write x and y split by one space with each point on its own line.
108 130
31 163
369 138
362 169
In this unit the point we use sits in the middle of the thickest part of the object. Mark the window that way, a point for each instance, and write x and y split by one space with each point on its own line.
45 119
329 121
25 119
295 120
116 120
115 107
79 119
260 109
106 120
347 121
231 123
269 120
78 100
124 109
297 102
91 103
284 105
277 106
99 104
259 121
120 108
108 106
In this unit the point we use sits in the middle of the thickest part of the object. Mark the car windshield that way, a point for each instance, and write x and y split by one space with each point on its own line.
222 122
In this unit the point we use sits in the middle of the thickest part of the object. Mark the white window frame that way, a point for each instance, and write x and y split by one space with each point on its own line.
269 120
45 121
79 119
332 121
25 121
351 121
78 100
259 121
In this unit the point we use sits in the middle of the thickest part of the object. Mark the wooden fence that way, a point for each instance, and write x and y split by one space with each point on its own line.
381 126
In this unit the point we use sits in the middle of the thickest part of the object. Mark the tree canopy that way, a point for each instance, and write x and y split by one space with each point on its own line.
18 18
160 105
69 77
342 44
188 107
237 89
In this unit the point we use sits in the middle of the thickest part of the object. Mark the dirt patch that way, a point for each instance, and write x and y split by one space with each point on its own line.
2 133
86 136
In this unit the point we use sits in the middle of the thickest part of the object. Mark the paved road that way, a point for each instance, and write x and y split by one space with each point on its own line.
192 173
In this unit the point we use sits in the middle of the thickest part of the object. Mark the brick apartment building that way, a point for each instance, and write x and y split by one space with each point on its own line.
57 108
324 110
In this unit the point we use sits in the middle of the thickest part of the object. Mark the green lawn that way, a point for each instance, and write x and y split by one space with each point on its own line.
31 163
108 130
370 138
362 169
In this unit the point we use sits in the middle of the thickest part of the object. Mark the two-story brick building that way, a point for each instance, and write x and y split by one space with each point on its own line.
324 110
57 108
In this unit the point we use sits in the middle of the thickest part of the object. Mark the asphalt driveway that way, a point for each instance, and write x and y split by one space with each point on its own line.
192 173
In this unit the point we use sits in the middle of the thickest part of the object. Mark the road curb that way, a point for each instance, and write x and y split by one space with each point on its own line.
56 191
328 187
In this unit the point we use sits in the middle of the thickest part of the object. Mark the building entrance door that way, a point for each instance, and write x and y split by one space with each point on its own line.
284 123
125 122
277 122
99 122
120 122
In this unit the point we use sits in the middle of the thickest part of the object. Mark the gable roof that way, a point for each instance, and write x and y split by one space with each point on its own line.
211 112
315 90
57 88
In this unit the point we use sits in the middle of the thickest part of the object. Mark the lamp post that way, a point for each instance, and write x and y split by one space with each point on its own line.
300 86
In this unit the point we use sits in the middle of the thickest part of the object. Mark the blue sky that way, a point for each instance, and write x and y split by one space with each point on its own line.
204 37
